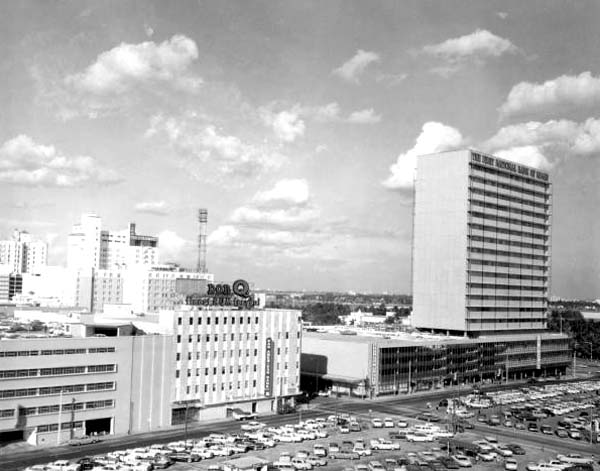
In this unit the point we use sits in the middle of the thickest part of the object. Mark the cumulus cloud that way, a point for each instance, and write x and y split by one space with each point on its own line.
476 47
582 90
554 139
526 155
366 116
25 162
126 66
170 245
434 137
208 153
223 236
288 125
352 69
159 208
481 44
286 192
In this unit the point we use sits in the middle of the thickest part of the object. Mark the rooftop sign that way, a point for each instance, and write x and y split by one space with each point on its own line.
510 166
235 295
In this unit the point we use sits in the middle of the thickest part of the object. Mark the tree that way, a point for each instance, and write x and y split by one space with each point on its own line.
324 313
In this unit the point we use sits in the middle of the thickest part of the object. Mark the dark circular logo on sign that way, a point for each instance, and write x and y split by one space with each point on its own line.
241 288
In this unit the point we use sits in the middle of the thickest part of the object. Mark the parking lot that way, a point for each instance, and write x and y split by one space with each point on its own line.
291 446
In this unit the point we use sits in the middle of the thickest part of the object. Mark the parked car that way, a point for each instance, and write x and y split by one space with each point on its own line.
376 423
462 461
388 422
510 464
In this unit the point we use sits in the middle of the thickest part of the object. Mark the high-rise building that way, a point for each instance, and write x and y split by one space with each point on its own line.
481 244
91 247
22 254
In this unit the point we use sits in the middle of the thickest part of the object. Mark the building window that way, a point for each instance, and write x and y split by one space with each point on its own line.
176 373
190 337
205 371
191 321
232 337
179 339
287 335
178 356
179 321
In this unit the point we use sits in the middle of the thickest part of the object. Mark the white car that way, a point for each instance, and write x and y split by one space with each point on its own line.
487 455
510 464
321 433
402 424
377 423
316 461
462 461
503 450
483 445
419 437
575 458
252 426
388 422
384 444
63 465
221 450
319 450
203 453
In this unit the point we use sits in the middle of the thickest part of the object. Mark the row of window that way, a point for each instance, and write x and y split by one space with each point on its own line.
511 199
514 243
60 371
512 211
510 176
520 266
484 297
224 336
486 182
506 253
215 353
214 387
514 311
67 351
510 232
63 426
505 321
47 391
516 222
474 274
471 285
69 407
215 320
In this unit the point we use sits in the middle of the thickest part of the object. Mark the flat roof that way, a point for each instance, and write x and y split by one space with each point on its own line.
405 339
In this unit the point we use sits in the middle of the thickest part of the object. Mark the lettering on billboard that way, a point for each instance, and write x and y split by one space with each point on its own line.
235 295
510 166
269 356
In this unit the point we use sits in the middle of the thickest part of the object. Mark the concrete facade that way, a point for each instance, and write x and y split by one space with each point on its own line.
481 244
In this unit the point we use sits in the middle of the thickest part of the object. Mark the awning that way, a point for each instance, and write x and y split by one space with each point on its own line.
343 379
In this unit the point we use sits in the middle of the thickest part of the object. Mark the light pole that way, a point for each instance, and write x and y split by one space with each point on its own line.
60 403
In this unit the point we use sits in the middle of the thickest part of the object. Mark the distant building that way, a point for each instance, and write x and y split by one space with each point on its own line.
89 246
481 244
22 254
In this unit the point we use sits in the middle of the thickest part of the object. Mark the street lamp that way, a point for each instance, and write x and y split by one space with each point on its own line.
186 403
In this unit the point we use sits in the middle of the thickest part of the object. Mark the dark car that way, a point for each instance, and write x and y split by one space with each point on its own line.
184 456
532 427
397 434
546 429
86 464
161 462
436 465
448 462
516 449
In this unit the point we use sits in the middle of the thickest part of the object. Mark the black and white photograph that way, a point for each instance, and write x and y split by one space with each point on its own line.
280 235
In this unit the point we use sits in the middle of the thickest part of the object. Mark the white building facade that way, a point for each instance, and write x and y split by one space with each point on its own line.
22 254
481 244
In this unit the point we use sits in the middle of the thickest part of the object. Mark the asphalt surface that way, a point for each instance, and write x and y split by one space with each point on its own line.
402 405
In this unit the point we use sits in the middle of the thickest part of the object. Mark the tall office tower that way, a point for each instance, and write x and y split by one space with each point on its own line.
22 254
481 244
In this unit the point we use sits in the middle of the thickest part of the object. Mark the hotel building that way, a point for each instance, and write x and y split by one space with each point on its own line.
481 244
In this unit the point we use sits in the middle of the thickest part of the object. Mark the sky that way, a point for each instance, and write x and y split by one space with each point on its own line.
296 124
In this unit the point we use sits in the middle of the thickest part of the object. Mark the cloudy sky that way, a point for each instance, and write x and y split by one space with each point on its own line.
296 124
